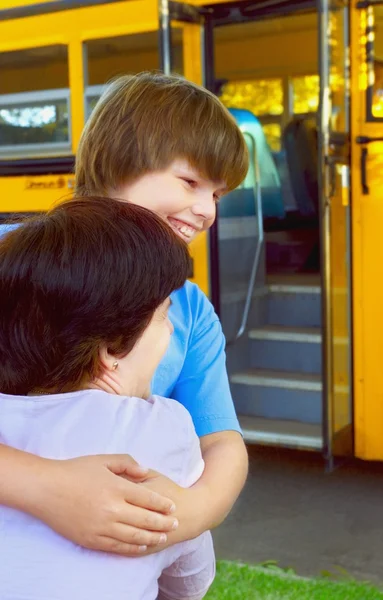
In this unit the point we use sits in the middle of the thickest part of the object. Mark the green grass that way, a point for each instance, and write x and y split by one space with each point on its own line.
243 582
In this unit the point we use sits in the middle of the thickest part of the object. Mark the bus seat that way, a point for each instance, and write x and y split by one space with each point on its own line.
300 142
272 201
284 176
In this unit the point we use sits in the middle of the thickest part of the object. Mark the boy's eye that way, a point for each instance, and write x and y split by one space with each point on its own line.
190 182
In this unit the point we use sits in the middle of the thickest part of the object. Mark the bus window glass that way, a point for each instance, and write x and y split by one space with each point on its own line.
305 94
375 89
34 103
111 57
34 118
264 98
261 97
273 135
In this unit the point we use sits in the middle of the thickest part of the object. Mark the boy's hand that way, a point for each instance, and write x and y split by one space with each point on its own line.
84 500
190 503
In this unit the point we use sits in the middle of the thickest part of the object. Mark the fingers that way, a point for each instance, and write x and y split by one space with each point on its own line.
108 544
131 541
146 520
143 497
132 536
124 464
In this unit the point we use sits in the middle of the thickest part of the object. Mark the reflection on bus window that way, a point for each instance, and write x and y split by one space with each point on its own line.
377 97
305 94
272 132
260 96
264 98
33 121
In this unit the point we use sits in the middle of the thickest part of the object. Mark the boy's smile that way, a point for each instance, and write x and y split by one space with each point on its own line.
185 230
185 199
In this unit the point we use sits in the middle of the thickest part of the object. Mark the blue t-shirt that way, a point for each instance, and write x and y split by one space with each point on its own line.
193 370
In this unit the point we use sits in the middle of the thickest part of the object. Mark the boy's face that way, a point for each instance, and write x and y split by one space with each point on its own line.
179 195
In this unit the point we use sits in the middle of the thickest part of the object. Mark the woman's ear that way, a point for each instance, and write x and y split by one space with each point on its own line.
108 379
108 362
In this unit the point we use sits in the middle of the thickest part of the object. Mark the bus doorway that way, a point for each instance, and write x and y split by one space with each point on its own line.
280 251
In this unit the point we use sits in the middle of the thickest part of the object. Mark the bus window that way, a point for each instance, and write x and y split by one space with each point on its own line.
273 133
374 41
34 120
305 94
262 97
111 57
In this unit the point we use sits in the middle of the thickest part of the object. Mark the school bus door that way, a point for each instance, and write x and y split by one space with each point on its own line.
367 211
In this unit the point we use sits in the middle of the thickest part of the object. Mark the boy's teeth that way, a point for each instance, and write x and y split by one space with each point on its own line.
186 230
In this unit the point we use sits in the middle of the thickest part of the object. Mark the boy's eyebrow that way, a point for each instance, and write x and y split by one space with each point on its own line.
187 170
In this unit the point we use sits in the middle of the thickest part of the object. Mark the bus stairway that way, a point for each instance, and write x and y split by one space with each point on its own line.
278 395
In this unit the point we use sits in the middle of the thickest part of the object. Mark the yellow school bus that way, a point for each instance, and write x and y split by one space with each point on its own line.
292 264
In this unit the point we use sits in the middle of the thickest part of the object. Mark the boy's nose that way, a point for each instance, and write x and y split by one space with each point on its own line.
205 207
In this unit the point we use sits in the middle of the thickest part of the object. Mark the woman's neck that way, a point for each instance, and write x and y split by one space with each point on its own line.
111 386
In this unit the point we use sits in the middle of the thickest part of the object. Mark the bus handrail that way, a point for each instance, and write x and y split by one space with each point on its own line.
254 270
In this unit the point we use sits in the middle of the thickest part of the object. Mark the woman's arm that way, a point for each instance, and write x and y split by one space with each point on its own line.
85 500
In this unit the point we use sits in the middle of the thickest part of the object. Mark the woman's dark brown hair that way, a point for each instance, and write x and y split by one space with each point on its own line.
91 271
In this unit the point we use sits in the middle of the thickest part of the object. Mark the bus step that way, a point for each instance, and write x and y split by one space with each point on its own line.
297 349
287 434
273 394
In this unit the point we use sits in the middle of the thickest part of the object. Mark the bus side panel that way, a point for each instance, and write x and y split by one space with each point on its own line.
367 218
25 194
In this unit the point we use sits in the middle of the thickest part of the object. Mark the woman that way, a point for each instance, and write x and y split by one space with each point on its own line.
84 295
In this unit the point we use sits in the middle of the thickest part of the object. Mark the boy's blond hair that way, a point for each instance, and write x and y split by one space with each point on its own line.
142 123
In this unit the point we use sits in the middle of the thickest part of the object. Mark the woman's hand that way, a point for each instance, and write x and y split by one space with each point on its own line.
90 501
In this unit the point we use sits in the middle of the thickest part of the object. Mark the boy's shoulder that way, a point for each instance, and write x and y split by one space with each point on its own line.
192 303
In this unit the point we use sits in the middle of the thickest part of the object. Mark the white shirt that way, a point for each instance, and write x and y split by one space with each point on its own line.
38 564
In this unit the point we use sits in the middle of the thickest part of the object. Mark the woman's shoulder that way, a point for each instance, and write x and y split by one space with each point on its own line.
173 411
162 436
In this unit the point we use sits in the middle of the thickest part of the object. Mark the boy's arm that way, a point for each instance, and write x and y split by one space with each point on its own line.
84 500
226 467
207 503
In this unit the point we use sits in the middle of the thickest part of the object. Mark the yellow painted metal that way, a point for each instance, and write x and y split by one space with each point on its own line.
33 194
87 23
367 211
17 3
193 70
77 85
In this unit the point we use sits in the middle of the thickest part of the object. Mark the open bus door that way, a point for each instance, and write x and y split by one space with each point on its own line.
336 437
335 225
